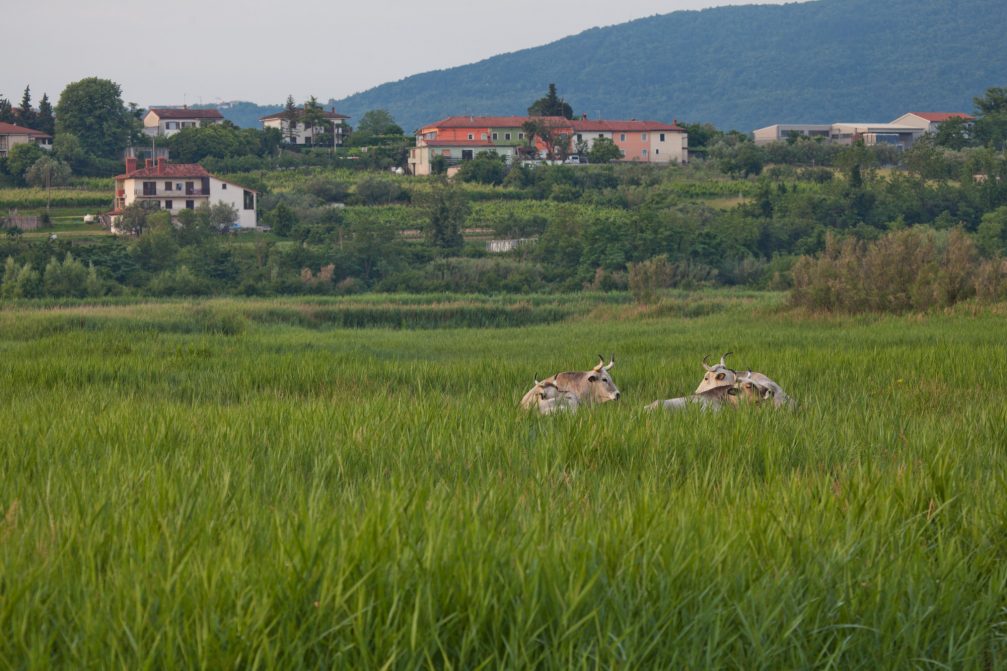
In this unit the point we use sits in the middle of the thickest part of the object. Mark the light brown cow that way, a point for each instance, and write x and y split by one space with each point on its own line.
591 386
720 375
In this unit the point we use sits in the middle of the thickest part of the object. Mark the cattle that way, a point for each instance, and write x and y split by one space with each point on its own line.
720 375
550 399
591 386
717 397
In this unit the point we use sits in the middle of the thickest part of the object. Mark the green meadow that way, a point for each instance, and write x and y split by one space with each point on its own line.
349 483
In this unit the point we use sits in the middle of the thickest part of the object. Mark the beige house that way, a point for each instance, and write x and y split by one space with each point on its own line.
302 135
183 186
931 121
170 120
11 135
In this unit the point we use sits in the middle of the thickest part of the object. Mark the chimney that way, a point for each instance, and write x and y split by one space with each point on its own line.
160 165
148 163
130 164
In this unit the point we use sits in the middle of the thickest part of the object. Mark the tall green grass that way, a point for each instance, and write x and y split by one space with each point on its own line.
275 496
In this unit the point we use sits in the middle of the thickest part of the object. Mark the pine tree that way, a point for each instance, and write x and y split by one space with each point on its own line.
45 121
25 113
291 114
6 111
551 105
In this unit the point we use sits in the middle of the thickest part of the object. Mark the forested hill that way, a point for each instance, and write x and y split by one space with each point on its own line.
737 67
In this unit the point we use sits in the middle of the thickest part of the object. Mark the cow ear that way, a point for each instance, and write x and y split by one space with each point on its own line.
592 378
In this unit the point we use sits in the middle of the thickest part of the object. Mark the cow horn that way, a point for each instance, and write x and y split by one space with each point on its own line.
601 363
722 358
535 377
611 362
705 365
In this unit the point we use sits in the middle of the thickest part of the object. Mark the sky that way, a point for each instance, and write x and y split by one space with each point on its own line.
210 51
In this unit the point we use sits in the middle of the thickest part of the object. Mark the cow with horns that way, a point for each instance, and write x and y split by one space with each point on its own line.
591 386
720 375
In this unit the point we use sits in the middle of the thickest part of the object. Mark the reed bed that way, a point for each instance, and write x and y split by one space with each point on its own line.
276 496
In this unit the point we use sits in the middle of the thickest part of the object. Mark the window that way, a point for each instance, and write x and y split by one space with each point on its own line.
643 152
643 136
190 204
167 186
520 136
622 137
580 138
466 154
150 188
600 135
494 137
167 204
661 136
483 136
223 186
249 200
506 136
656 152
471 136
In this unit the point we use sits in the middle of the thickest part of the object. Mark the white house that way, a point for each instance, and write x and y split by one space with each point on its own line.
170 120
302 135
179 186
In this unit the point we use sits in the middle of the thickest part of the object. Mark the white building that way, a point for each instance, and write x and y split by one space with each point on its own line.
780 132
170 120
302 135
175 187
902 132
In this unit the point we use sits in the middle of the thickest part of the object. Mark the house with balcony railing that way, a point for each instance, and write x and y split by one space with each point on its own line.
179 186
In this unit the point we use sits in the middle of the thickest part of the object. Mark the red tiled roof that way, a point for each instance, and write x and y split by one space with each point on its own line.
185 113
459 143
11 129
178 170
494 121
618 125
937 117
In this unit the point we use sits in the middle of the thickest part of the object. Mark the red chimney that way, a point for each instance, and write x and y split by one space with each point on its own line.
130 164
160 166
148 163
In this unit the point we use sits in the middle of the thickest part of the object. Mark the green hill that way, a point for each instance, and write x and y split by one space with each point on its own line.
737 67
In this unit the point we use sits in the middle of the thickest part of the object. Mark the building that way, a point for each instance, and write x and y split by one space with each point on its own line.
460 138
307 136
177 186
901 132
931 121
11 135
646 141
170 120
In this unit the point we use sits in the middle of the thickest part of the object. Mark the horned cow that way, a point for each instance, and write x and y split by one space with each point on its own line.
591 386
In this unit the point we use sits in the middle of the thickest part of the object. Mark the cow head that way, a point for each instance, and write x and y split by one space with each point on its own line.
602 386
753 391
718 375
545 390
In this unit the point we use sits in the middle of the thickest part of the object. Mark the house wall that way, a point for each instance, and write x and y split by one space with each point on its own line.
673 149
9 141
301 134
635 146
154 125
129 191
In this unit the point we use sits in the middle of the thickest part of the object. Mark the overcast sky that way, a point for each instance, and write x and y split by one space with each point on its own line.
215 50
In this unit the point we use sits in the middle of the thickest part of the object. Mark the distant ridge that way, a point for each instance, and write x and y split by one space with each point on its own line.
738 67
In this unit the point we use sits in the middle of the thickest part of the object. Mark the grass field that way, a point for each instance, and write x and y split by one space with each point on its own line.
242 484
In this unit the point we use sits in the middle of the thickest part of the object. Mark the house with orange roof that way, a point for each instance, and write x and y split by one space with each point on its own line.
460 138
11 134
931 121
180 186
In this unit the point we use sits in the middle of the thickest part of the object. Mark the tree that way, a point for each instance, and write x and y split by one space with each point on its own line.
6 111
378 122
487 167
557 144
25 113
47 172
551 105
604 150
45 120
991 127
92 109
291 114
222 216
21 157
448 211
953 133
314 117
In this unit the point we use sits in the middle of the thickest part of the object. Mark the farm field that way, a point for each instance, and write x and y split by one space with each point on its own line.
249 483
